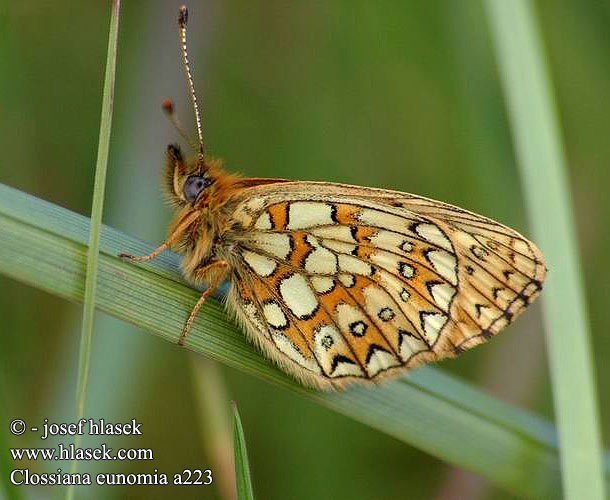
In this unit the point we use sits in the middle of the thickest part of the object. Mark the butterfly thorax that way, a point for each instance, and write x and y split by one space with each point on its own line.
203 239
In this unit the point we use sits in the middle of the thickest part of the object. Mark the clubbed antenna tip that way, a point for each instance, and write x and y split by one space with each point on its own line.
168 106
183 15
168 109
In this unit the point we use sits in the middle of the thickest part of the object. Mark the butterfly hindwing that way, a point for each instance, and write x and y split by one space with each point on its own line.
340 284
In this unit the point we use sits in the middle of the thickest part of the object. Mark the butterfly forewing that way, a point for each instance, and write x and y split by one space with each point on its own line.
341 284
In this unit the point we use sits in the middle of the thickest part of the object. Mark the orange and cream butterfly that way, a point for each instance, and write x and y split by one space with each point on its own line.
338 283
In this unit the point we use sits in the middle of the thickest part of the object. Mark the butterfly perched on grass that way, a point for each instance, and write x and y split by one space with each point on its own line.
338 283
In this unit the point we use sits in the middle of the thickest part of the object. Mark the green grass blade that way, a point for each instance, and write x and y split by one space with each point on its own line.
213 415
45 246
536 133
96 224
243 482
97 210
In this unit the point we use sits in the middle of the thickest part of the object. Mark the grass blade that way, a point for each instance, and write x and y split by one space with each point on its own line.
536 133
243 482
430 410
96 224
213 414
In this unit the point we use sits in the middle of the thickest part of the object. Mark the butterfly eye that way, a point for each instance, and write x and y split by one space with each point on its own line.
193 187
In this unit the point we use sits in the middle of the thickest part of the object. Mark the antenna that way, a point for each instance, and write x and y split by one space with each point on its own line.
182 19
168 108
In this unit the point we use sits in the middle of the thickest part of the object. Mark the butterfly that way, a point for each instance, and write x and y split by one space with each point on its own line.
339 283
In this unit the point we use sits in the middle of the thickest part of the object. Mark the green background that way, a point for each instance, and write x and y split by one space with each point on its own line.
402 95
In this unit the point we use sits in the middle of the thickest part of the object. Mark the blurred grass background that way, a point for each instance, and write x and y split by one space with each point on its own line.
403 96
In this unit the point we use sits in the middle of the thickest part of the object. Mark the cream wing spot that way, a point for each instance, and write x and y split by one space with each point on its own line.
323 284
298 296
379 360
340 246
409 344
433 234
303 215
264 221
386 314
377 218
275 316
342 368
442 293
358 328
341 233
432 323
277 244
444 263
321 261
260 264
347 280
327 342
352 265
405 270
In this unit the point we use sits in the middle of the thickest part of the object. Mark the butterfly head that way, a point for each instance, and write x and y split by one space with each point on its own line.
186 181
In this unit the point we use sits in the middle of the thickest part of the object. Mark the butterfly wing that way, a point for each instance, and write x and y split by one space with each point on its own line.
340 283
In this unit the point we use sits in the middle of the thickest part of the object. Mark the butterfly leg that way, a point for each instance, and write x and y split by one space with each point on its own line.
175 235
218 269
142 258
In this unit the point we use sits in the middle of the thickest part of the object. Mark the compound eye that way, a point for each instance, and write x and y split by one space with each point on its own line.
193 187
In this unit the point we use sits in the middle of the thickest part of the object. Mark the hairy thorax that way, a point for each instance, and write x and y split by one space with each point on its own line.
207 239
